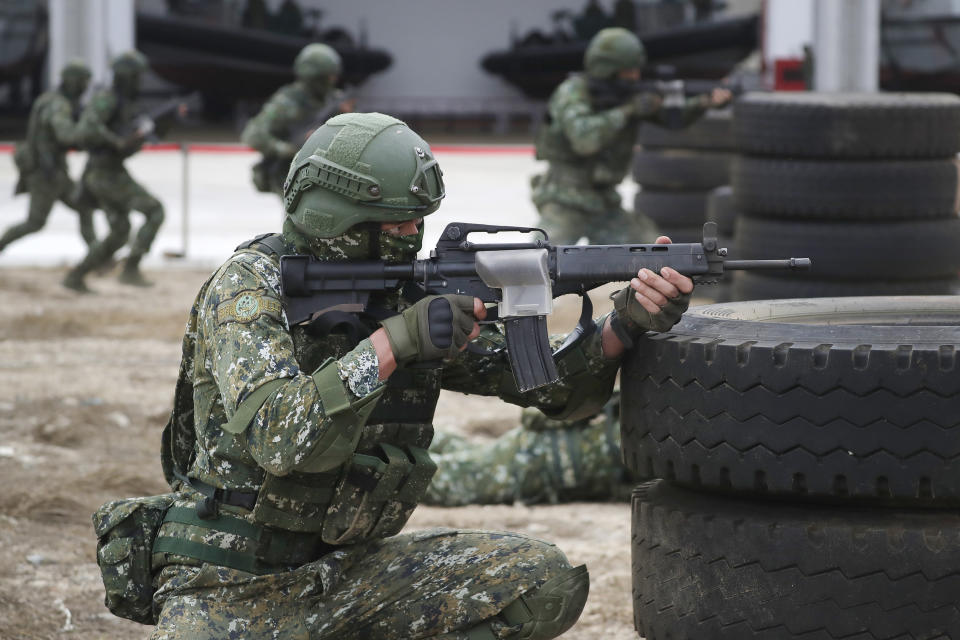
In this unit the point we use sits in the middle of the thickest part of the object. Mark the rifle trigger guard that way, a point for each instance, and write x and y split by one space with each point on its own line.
585 326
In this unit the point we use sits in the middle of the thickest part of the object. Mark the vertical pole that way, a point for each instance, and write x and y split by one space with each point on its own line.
846 45
185 197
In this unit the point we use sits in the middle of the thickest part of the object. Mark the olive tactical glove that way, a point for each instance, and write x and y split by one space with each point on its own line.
434 328
630 319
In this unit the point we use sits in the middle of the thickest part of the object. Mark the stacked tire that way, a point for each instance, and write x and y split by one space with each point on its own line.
677 169
808 453
866 185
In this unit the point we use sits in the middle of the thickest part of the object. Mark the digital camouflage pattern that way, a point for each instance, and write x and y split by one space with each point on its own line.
287 114
589 153
438 583
52 130
236 342
125 530
541 460
107 183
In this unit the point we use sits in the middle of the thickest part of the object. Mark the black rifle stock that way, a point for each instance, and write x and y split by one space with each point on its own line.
522 278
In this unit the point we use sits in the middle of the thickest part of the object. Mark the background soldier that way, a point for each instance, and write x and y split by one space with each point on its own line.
299 452
42 158
541 460
588 136
110 137
292 113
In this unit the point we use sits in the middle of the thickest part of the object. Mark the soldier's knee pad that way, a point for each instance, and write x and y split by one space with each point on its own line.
547 611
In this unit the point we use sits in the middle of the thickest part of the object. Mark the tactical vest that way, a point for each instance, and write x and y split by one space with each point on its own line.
304 515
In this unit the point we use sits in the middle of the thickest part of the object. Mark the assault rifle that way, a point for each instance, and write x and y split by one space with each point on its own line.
522 278
154 122
605 94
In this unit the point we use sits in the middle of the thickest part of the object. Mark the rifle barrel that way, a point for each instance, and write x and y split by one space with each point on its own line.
794 264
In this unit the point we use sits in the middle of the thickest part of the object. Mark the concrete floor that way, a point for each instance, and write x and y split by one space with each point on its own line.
224 209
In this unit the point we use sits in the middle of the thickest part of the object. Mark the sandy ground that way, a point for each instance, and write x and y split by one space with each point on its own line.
85 387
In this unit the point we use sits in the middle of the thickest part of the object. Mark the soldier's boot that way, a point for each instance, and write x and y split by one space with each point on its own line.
541 613
74 280
106 267
131 273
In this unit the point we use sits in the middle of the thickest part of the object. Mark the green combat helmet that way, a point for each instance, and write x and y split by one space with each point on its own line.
361 167
613 50
127 68
74 78
318 66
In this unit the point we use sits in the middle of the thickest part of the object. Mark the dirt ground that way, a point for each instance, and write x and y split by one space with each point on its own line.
85 388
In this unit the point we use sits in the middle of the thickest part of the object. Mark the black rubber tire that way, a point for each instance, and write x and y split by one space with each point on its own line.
821 399
712 132
755 286
848 125
721 209
909 250
681 169
850 190
714 569
672 209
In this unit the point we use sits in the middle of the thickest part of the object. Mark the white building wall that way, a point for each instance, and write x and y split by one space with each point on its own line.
92 30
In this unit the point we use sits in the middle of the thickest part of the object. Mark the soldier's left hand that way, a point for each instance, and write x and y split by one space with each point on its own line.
653 301
719 97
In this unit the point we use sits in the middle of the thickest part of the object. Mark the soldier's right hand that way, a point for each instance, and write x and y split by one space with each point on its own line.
644 104
435 328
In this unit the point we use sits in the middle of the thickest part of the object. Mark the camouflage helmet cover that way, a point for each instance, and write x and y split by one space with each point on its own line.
75 69
129 62
613 50
361 167
317 60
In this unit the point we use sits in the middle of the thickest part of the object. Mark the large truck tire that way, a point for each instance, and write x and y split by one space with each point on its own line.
672 209
681 169
746 285
848 125
850 190
709 568
900 250
825 399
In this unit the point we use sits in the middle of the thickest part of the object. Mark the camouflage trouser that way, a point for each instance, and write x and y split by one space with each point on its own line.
566 225
540 461
45 189
439 583
117 193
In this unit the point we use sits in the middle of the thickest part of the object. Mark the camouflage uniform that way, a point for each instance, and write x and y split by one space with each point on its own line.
289 113
51 131
107 182
328 463
542 460
589 151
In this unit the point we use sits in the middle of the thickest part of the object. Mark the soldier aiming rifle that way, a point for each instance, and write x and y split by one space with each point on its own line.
588 135
294 112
